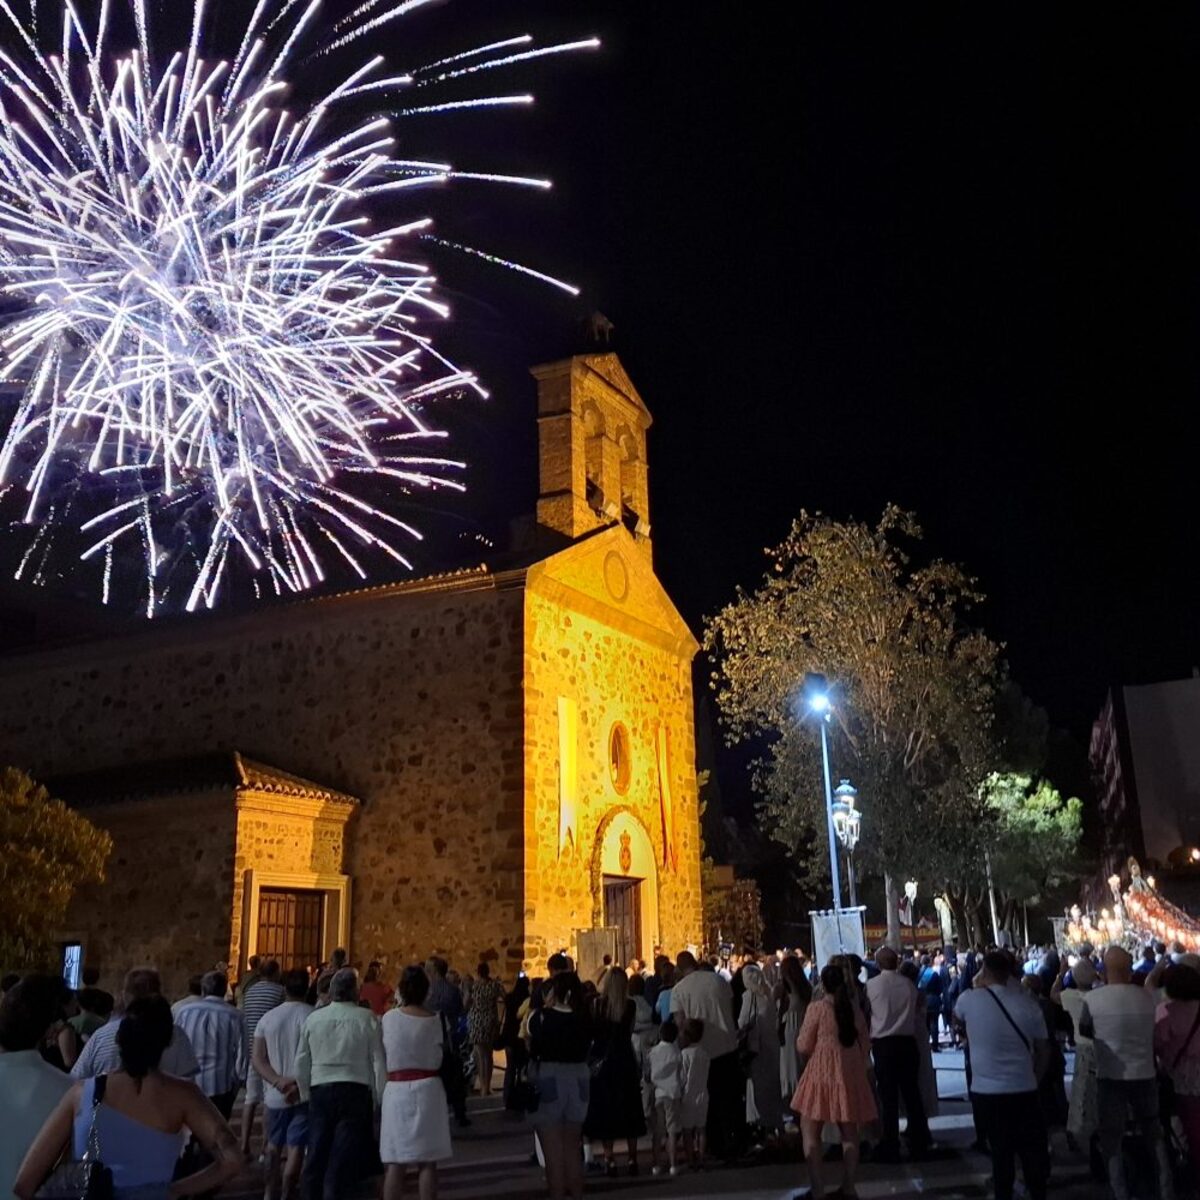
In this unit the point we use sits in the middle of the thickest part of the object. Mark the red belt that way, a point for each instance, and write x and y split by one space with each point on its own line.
410 1075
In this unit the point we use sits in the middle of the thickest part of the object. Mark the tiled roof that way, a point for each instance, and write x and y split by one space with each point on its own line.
232 770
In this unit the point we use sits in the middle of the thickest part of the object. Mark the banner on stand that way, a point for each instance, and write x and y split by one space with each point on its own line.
839 932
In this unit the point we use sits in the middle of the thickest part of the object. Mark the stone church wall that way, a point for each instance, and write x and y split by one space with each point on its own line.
409 701
172 854
612 676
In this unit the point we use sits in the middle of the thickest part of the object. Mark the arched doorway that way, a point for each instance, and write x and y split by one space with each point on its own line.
626 885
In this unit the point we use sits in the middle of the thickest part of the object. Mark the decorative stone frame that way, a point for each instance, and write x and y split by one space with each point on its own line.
337 908
651 921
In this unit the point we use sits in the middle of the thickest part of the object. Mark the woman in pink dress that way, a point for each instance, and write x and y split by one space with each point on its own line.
834 1087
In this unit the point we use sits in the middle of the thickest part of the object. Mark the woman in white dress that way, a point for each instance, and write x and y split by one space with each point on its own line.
415 1123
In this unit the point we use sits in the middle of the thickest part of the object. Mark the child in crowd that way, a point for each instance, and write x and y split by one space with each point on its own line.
665 1072
693 1114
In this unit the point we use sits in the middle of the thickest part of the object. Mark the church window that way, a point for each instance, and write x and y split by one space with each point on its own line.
619 764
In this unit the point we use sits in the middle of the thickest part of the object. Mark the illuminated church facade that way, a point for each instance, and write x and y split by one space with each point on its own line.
494 762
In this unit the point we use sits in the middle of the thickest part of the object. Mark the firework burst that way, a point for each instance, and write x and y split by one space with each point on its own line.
219 360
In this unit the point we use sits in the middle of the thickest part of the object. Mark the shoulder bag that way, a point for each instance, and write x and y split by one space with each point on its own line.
89 1178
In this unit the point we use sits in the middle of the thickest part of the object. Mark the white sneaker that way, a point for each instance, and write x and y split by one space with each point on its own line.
676 1170
656 1170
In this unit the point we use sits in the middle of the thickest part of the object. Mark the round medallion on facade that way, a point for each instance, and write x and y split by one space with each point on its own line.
616 576
619 765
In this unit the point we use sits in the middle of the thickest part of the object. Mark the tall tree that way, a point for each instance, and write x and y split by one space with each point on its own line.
48 851
912 683
1035 834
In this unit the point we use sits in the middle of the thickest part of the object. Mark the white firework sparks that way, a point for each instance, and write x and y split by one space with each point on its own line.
212 340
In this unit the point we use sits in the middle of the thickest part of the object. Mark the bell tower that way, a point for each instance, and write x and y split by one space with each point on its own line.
591 448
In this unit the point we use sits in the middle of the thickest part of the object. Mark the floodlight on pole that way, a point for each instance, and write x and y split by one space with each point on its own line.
816 696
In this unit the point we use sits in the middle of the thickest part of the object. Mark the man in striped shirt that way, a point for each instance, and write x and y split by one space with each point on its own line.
258 999
101 1056
218 1036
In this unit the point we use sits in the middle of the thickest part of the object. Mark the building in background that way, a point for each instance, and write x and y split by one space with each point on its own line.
487 763
1145 761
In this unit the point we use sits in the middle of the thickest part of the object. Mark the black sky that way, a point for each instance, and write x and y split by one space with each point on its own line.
942 255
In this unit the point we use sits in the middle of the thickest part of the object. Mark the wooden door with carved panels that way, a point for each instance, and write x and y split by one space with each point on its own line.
291 927
623 912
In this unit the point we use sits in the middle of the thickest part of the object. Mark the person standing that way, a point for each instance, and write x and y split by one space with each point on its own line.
258 1000
793 994
694 1102
705 996
1083 1105
664 1071
1006 1034
374 992
1119 1018
446 1000
217 1033
758 1028
1177 1048
898 1019
615 1110
276 1044
414 1126
252 976
140 1115
483 1024
30 1088
341 1072
559 1037
835 1087
101 1055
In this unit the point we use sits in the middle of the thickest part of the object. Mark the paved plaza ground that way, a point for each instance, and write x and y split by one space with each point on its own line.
492 1161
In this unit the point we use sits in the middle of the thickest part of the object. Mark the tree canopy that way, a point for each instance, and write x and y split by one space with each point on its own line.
913 686
48 851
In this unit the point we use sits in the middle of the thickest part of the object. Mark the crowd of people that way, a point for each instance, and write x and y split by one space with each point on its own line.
706 1060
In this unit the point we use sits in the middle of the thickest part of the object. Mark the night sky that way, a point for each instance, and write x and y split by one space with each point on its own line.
909 254
921 254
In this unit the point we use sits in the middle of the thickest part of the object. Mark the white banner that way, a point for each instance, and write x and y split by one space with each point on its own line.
837 933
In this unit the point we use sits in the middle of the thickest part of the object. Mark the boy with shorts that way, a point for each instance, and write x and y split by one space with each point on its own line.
664 1067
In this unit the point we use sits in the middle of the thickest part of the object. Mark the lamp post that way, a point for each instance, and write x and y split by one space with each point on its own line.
910 890
816 694
847 824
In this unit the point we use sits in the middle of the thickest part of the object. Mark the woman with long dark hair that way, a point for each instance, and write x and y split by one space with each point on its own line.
834 1087
140 1115
560 1033
615 1105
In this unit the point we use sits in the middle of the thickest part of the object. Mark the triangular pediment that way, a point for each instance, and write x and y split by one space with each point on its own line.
609 577
609 368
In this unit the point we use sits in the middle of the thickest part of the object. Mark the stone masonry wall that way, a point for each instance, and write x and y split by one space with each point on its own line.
410 701
171 855
613 676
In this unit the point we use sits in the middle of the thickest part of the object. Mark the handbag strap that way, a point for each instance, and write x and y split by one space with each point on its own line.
1188 1040
92 1153
1008 1018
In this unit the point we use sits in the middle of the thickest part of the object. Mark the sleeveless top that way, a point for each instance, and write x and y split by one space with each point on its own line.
137 1155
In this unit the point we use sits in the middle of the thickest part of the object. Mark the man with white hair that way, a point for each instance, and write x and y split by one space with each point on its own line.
1119 1018
341 1072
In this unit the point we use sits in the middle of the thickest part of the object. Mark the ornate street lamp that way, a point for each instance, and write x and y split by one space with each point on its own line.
847 824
